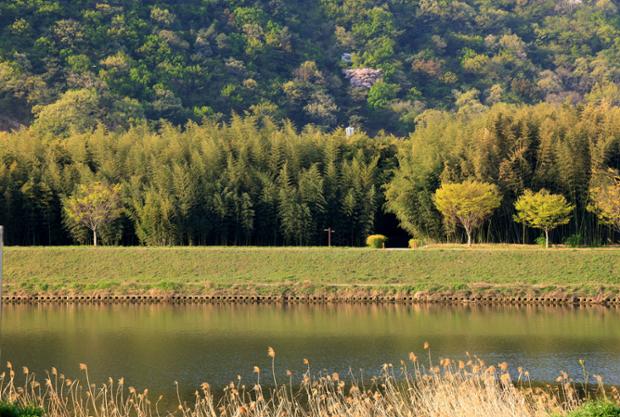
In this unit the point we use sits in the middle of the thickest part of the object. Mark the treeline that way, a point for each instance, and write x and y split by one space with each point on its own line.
374 64
244 183
254 182
564 149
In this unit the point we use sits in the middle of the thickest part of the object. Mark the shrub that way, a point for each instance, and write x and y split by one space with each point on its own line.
574 241
416 243
376 241
596 409
12 410
541 241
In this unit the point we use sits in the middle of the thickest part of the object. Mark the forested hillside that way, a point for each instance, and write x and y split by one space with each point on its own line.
220 121
375 64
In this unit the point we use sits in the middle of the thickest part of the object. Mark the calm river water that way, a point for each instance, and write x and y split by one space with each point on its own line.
153 346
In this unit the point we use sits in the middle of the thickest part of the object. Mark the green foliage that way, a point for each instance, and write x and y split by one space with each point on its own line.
468 203
376 241
247 182
605 202
75 110
14 410
560 148
253 181
596 409
541 241
113 61
543 210
381 94
574 241
93 206
416 243
82 110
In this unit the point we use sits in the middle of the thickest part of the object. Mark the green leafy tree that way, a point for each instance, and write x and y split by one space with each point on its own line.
308 95
468 203
94 206
543 210
381 93
605 203
76 110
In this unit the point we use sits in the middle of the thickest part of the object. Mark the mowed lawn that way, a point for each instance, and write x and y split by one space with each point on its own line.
196 269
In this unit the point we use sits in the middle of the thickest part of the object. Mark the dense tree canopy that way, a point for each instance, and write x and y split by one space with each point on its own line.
248 182
563 149
252 181
221 120
376 64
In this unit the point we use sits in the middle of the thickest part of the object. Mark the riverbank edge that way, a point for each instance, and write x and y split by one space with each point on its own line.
522 295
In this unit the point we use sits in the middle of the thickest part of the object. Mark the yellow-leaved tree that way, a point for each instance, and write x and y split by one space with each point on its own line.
94 206
543 210
468 203
605 203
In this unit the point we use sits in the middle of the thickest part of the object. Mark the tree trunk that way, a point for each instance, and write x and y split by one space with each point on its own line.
468 232
547 238
95 237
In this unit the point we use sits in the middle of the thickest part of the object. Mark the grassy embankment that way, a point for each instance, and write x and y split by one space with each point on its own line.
304 270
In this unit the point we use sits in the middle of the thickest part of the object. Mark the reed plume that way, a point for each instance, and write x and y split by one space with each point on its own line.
454 389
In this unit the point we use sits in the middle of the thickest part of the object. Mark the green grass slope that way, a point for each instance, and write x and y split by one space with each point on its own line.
196 269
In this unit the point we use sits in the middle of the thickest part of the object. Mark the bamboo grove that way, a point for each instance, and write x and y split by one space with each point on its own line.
254 182
235 184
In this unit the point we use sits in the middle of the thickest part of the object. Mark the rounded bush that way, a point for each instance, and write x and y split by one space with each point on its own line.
574 241
376 241
14 410
596 409
416 243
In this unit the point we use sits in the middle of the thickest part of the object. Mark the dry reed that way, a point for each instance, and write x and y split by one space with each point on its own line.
466 388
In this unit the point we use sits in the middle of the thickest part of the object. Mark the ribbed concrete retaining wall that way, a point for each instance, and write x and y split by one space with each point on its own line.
417 298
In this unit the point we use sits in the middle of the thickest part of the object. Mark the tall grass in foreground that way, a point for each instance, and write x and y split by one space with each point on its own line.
447 389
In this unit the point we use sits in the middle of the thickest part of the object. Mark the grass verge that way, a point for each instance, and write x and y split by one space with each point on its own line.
202 269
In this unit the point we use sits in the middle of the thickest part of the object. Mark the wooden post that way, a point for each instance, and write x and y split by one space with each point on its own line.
329 231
